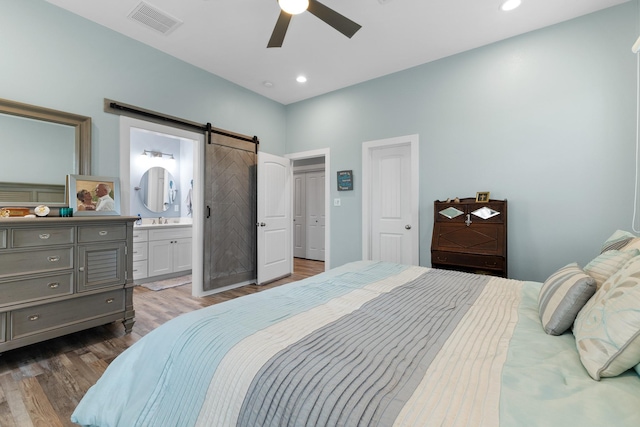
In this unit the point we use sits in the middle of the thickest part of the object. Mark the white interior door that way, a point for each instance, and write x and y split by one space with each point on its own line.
299 216
390 223
315 215
274 217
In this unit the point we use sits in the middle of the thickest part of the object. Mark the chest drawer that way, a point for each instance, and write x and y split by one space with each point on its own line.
29 237
17 291
35 261
467 260
101 233
31 320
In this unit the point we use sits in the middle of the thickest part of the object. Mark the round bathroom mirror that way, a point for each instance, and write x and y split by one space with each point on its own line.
157 189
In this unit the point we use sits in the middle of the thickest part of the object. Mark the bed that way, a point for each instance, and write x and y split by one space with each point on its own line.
365 344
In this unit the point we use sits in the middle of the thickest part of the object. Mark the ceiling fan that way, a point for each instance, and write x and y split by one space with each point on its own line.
326 14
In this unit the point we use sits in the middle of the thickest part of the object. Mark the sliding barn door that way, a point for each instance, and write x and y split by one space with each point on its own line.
230 213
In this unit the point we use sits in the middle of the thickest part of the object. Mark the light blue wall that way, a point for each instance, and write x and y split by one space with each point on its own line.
545 120
52 58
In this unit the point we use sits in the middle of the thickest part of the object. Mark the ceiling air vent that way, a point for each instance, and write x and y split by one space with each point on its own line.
154 18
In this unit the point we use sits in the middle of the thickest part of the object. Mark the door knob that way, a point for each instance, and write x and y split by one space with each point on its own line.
262 224
408 227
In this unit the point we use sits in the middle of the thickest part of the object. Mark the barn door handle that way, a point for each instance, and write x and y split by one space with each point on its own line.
208 211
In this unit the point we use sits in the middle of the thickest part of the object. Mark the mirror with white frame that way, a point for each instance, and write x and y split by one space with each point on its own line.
157 189
46 146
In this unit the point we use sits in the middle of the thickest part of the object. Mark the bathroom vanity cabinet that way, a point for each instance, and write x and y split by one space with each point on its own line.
63 275
161 251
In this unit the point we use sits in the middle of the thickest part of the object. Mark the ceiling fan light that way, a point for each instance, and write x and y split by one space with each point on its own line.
510 5
293 7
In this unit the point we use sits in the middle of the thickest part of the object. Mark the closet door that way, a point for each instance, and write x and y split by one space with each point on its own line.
299 216
315 215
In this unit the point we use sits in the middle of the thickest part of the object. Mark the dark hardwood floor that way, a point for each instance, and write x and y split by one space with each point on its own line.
41 384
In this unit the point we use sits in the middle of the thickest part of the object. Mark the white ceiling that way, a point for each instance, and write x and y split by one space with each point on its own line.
229 37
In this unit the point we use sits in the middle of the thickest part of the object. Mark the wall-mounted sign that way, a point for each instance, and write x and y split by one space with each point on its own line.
345 181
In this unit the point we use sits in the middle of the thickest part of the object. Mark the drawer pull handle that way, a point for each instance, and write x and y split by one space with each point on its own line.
54 285
81 269
53 258
109 300
103 232
34 317
44 236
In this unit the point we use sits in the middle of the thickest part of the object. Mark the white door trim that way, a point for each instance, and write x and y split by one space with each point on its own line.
326 153
126 123
367 148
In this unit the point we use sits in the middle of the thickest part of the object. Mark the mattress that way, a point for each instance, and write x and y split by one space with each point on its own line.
365 344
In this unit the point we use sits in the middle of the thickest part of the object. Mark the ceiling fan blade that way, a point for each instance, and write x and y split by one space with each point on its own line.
277 37
341 23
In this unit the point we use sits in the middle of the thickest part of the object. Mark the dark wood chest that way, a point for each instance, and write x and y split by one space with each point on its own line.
470 236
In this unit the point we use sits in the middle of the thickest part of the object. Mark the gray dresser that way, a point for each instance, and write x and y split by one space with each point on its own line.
63 275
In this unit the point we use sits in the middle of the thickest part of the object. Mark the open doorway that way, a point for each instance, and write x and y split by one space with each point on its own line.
186 172
311 207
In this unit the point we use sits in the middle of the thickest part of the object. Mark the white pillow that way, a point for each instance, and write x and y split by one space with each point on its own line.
608 263
607 329
618 240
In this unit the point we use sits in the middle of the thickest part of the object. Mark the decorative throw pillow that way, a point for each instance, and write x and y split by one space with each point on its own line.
607 329
618 240
562 296
608 263
632 244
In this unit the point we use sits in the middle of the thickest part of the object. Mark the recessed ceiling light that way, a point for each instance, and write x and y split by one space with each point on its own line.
301 79
510 5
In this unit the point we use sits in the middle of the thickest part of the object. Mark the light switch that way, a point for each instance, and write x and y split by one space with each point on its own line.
336 202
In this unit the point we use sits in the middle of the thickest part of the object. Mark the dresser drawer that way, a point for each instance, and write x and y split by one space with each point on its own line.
35 261
101 233
17 291
30 237
32 320
467 260
139 251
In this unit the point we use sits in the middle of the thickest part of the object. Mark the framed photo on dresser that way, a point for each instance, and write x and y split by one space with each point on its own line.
90 195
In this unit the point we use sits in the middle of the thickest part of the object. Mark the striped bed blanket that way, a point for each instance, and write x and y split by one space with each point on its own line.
366 344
